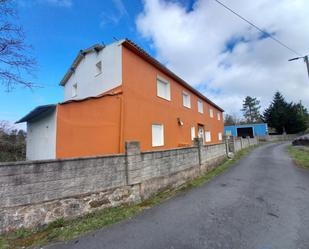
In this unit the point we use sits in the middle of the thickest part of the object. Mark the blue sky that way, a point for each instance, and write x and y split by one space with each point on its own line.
57 32
206 45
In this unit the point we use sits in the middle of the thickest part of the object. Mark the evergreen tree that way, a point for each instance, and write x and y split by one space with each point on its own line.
251 109
286 117
297 118
275 114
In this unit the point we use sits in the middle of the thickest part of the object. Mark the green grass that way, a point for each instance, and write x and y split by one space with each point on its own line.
299 155
61 229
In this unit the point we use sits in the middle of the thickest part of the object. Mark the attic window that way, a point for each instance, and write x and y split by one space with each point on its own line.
74 90
98 67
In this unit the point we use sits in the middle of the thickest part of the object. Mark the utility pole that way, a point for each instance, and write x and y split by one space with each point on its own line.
307 63
306 60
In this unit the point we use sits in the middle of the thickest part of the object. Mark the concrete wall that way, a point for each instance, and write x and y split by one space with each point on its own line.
89 83
37 192
211 154
37 181
41 138
237 144
274 138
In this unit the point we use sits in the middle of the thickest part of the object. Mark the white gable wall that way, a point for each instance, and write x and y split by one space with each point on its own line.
41 138
86 78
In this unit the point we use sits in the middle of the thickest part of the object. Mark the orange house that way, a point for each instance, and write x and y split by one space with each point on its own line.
119 93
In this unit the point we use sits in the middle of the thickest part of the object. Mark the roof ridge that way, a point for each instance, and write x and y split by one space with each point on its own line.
97 47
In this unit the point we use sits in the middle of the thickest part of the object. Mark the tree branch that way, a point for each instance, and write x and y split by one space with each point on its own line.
15 58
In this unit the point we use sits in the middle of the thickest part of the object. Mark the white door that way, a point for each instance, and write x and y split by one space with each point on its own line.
201 132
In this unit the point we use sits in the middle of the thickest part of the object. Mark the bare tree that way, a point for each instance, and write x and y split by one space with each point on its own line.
4 125
12 143
232 119
15 57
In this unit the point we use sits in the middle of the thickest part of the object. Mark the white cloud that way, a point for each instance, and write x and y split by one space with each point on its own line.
194 45
114 15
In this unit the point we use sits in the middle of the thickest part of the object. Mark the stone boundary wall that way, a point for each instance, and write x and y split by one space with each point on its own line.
211 155
275 138
37 181
34 193
236 144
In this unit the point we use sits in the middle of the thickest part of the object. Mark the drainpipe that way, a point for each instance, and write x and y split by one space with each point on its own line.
121 144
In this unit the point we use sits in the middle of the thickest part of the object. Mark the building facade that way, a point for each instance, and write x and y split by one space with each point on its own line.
119 93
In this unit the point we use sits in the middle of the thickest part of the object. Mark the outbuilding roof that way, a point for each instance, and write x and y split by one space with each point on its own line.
38 112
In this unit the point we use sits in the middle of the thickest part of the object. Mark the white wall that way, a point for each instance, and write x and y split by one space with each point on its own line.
90 84
41 138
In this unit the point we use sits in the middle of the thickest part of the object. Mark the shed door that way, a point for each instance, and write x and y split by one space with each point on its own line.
245 132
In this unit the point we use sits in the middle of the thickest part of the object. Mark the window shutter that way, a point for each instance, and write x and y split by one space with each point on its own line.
207 136
163 89
192 132
157 135
211 113
186 100
200 106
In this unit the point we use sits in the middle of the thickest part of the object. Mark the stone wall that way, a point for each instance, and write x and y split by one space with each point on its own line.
24 183
35 193
236 144
211 155
275 138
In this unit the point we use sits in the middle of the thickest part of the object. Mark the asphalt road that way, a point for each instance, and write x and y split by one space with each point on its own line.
261 203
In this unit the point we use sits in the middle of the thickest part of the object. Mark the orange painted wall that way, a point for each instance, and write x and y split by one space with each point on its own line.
88 128
143 107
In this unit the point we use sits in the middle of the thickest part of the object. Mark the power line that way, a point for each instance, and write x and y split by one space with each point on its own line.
259 29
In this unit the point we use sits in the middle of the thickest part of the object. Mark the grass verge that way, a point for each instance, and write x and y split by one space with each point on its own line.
61 229
299 155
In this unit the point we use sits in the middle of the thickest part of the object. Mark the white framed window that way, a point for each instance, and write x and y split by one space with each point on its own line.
207 136
211 112
200 108
98 67
163 88
186 99
192 132
218 115
220 136
228 133
157 135
74 90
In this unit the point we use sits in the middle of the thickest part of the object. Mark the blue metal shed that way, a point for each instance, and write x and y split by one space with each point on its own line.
245 130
